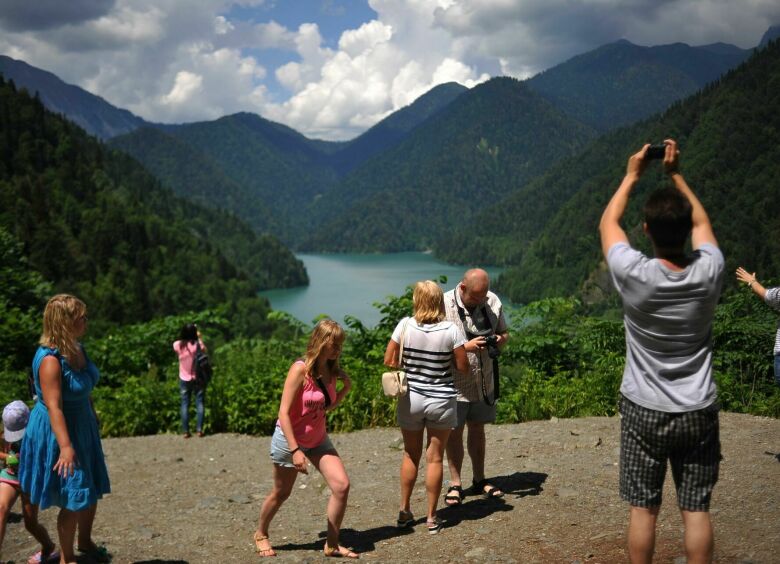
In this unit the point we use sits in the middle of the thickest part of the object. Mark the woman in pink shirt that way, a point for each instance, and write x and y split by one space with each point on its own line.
186 347
309 391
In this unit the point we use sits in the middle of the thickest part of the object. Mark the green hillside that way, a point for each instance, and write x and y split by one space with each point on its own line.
622 83
90 112
95 223
278 168
488 142
395 127
193 174
729 136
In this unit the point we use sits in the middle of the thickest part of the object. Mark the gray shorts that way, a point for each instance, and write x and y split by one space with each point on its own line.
415 412
280 450
690 441
475 412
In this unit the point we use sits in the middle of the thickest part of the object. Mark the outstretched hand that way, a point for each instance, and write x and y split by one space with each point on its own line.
745 276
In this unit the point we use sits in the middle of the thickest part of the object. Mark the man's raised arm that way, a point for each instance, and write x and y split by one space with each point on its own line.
609 227
702 228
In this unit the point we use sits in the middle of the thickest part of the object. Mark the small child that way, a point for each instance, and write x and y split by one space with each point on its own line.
15 417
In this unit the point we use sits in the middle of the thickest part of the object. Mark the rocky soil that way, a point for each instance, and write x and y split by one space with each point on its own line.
197 500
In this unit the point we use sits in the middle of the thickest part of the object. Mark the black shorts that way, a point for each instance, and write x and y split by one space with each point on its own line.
690 441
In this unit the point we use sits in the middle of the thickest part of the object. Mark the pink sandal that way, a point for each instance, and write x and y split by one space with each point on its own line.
37 558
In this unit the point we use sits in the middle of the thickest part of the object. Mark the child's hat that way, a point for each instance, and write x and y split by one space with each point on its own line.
15 417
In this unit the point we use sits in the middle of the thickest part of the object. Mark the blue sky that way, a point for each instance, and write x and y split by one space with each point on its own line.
333 17
333 68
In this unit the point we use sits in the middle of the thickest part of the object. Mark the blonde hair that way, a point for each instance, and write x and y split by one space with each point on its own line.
428 300
325 332
59 320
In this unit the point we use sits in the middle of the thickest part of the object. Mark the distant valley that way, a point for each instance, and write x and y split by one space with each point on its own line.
509 172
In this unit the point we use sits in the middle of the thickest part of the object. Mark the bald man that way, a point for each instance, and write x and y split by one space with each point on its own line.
478 313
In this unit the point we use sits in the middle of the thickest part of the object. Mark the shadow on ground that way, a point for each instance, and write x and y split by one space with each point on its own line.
519 485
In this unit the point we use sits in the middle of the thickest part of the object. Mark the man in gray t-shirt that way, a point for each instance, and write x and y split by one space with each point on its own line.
669 409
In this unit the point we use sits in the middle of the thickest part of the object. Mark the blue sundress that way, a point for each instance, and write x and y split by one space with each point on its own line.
40 450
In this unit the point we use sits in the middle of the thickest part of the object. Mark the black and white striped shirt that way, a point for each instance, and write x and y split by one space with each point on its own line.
428 356
772 298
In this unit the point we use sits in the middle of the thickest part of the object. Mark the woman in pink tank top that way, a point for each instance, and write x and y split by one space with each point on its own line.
309 392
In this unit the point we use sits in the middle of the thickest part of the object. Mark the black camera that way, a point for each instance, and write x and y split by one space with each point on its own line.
655 152
492 346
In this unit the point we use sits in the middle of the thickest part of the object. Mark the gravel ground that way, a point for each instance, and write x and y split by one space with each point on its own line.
197 500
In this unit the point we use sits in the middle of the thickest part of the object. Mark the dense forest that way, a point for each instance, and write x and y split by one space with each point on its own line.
468 155
621 83
729 136
92 221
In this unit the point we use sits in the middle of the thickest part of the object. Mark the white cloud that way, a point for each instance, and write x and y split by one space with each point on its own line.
178 60
187 84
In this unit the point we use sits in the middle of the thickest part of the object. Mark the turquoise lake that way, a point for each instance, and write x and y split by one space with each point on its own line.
350 284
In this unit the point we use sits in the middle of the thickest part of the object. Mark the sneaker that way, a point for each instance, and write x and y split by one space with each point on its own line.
405 519
434 526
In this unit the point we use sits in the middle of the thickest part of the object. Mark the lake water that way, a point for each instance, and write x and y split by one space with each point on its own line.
349 284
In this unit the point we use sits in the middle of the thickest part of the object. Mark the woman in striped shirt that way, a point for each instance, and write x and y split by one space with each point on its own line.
430 346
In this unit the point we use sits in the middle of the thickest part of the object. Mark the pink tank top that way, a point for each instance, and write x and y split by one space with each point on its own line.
307 412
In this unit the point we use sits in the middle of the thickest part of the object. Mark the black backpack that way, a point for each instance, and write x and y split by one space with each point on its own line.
201 366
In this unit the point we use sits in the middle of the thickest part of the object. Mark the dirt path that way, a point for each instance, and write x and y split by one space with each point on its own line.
197 500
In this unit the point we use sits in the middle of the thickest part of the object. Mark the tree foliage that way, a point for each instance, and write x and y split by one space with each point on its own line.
94 223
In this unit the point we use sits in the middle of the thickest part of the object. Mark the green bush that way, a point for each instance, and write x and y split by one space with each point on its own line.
560 361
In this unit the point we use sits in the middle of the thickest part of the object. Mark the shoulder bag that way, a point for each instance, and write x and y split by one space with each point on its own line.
394 382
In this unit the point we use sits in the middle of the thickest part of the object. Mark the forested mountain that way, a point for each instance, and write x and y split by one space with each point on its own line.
395 127
195 175
93 222
487 142
622 83
770 35
92 113
265 172
729 136
268 169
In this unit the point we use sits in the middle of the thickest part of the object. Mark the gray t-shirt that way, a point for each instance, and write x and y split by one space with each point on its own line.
668 320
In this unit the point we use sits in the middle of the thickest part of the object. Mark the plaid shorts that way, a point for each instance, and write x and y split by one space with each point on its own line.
689 440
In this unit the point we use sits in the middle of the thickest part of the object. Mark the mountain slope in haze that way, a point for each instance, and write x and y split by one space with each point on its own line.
729 136
621 83
268 174
270 170
93 222
192 174
395 127
486 143
92 113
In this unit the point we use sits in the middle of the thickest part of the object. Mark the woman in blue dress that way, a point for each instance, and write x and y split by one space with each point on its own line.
62 460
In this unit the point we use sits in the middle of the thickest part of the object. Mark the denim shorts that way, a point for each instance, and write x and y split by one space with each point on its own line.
416 411
280 450
690 441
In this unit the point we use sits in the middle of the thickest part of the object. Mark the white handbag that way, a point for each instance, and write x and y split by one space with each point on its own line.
394 382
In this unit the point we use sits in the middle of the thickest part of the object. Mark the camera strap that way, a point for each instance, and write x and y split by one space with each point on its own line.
482 332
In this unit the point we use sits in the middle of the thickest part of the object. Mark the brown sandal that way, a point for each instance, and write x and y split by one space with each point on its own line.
339 552
263 551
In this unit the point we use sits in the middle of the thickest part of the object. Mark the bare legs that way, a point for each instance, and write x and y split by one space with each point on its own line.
33 526
434 455
476 447
699 537
67 521
8 495
332 469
